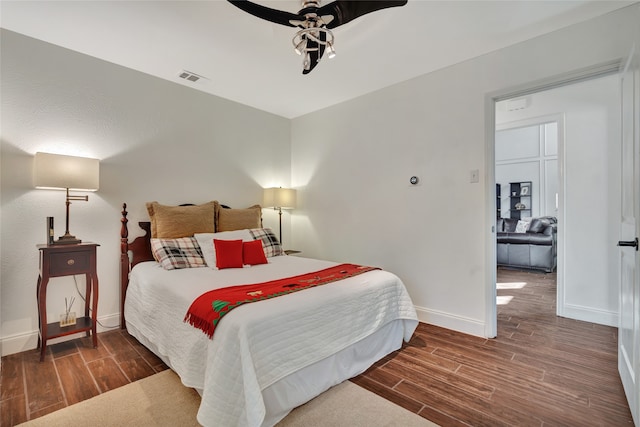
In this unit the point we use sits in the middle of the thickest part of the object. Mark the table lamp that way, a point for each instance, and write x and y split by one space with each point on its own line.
70 173
279 198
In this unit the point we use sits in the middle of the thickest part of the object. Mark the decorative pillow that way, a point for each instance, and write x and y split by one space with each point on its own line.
238 219
205 240
270 242
522 226
510 225
169 222
177 253
228 253
537 225
252 253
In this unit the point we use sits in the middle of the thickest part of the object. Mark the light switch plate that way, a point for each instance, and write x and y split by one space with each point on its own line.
474 176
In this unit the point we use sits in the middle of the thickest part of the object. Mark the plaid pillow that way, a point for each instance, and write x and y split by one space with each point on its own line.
270 242
177 253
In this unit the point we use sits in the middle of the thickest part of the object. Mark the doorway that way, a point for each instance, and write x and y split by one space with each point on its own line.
588 128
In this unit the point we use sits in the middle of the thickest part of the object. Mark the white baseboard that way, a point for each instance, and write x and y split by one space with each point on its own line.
477 328
29 340
589 314
450 321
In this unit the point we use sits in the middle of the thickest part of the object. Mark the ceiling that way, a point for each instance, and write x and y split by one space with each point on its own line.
251 61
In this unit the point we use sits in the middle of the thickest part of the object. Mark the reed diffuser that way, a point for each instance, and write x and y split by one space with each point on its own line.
69 317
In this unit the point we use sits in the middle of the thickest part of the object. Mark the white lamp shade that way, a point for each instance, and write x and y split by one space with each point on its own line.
55 171
284 198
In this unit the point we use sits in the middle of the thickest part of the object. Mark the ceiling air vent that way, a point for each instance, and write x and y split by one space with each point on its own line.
189 76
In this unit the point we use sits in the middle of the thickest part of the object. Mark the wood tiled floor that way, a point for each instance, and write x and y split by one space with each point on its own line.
541 370
71 372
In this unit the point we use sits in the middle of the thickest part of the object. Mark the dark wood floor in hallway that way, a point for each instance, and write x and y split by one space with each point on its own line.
541 370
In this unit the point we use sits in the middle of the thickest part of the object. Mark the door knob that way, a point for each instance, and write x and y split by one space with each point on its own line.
632 243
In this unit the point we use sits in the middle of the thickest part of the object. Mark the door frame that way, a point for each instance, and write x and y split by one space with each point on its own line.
588 73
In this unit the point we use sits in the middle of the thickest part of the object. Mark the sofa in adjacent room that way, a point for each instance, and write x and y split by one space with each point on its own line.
527 244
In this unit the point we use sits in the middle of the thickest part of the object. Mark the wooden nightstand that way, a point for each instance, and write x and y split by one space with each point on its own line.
291 252
67 260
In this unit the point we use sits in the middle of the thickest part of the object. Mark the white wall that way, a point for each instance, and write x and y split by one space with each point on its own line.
156 140
588 228
352 163
525 153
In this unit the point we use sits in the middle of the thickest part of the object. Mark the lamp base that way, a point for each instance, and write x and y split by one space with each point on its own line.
67 239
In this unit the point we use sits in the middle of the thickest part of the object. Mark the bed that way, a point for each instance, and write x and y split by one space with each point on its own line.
267 357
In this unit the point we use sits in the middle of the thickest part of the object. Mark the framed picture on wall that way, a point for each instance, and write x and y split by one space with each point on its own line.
525 189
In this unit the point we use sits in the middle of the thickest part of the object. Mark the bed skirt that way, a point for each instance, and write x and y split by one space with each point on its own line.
301 386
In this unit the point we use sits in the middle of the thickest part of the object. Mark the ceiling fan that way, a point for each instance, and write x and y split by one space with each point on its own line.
316 22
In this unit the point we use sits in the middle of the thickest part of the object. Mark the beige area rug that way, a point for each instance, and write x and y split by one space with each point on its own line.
161 400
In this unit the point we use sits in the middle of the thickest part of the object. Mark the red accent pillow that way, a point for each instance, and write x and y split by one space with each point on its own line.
228 253
253 253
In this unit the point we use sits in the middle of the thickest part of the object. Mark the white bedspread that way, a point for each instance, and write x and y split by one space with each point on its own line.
260 343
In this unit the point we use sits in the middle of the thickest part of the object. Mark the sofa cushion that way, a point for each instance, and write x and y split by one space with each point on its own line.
542 257
500 225
540 239
549 219
525 238
550 229
515 238
537 225
518 256
510 225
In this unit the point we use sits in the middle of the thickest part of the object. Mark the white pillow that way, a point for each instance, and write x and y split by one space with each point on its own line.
205 240
521 227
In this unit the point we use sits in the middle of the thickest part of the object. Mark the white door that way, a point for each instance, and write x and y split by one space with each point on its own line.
629 326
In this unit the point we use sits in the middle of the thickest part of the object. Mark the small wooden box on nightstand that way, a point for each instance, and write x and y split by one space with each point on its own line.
67 260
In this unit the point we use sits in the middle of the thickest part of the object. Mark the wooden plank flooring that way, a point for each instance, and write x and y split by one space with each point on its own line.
71 372
542 370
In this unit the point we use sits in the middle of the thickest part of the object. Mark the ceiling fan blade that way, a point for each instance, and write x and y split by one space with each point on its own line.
345 11
315 53
277 16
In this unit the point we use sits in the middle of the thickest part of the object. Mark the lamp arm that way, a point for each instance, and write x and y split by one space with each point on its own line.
68 237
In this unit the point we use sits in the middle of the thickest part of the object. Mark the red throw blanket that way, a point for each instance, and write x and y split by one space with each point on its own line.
207 310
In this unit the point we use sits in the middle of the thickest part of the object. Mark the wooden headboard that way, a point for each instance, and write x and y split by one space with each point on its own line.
140 249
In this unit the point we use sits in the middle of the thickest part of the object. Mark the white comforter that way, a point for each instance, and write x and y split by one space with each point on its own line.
260 343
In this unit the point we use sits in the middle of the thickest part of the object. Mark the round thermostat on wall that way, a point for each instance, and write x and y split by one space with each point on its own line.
414 180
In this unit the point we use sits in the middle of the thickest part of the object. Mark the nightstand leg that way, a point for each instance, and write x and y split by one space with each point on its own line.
42 316
94 314
87 300
39 318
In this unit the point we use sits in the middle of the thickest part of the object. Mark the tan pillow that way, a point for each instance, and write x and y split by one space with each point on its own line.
239 219
172 222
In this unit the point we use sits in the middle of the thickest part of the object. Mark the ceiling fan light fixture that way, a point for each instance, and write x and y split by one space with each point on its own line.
316 22
331 52
300 47
306 62
317 36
